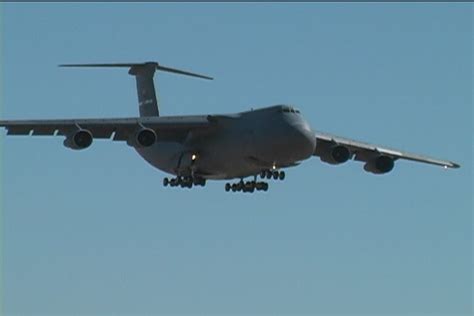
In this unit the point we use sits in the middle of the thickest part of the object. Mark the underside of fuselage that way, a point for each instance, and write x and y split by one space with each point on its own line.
237 146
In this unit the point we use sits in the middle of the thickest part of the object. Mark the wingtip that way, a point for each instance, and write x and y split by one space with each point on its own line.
452 165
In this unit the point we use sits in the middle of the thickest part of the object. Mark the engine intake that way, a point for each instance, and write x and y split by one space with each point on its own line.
336 154
80 139
144 137
380 165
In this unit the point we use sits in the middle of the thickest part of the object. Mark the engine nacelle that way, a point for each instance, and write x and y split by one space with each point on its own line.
336 154
144 137
380 165
79 139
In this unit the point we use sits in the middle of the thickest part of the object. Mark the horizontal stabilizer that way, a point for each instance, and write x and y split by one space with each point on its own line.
148 65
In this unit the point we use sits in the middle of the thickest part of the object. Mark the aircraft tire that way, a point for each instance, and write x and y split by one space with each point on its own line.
282 175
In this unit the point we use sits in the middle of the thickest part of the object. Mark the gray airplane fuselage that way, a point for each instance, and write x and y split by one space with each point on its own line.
237 146
216 147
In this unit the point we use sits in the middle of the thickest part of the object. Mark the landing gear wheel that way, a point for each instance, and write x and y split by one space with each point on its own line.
275 175
166 181
269 174
248 186
282 175
263 174
186 182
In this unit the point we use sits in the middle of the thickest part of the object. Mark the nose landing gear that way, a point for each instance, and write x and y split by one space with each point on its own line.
275 174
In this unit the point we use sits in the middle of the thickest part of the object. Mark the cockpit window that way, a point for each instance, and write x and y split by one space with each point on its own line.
289 110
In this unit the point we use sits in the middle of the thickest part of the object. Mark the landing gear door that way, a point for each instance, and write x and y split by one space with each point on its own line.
185 163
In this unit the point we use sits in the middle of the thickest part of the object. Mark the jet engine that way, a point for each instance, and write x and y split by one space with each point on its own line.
380 165
335 154
144 137
79 139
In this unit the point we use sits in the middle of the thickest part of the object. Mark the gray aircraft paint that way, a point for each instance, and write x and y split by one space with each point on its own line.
238 146
223 146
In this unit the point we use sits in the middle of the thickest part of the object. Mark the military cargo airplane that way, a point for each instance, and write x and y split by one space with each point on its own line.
256 143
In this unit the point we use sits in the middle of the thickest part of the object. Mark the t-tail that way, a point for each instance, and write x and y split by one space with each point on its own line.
144 72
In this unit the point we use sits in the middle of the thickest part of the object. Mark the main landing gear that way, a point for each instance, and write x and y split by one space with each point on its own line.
251 186
184 182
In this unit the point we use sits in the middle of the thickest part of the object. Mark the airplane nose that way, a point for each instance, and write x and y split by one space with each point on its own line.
304 140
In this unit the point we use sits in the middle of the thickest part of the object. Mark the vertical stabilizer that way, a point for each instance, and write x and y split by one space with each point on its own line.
147 101
144 72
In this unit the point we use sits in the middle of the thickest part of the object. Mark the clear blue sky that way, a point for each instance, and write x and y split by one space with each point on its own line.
95 233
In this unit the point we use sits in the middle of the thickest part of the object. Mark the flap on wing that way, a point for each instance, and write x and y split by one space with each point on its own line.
18 130
44 130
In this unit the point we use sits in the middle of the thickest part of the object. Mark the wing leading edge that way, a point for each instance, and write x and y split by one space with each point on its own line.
365 152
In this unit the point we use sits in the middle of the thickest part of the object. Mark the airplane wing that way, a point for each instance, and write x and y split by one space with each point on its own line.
119 129
366 152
